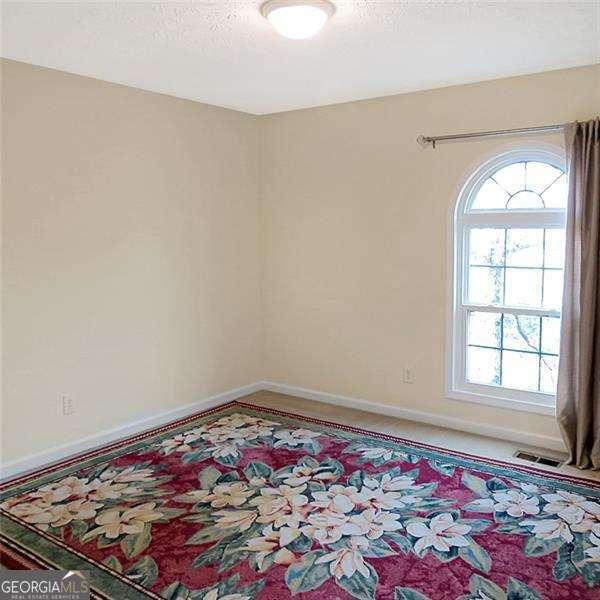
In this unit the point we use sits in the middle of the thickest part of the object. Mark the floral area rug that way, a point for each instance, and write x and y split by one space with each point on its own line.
240 503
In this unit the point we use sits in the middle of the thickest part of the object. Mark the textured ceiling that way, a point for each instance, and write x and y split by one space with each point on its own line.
223 52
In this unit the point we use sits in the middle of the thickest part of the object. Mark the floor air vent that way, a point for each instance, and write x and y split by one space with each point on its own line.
540 460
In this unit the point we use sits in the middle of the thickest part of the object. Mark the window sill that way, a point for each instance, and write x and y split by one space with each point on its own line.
531 406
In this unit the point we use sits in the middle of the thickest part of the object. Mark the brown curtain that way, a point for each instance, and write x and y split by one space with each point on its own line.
578 397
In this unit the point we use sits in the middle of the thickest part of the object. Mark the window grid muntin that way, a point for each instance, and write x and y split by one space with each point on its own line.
525 189
490 175
466 263
501 348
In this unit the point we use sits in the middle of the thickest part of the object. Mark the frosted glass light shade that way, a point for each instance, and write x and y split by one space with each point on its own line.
297 19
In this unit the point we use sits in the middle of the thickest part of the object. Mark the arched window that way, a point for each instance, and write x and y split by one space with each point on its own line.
509 243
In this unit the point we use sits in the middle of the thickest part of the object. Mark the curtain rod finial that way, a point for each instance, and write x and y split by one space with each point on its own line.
424 142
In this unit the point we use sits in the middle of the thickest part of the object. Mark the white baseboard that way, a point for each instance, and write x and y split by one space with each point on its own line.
513 435
58 453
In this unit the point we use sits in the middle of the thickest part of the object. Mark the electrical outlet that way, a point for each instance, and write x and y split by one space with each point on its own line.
408 375
68 405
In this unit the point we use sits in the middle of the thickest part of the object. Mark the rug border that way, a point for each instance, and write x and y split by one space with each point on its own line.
80 456
592 483
13 559
17 551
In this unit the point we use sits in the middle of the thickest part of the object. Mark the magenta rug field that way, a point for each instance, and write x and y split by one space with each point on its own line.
239 503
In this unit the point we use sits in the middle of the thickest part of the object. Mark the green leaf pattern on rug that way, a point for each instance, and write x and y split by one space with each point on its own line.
404 593
552 521
359 585
484 588
304 575
226 589
144 571
376 455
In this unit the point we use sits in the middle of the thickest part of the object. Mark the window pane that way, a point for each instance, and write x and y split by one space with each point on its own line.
523 287
554 248
553 285
521 333
484 329
485 285
520 370
490 196
483 366
550 335
511 178
548 374
556 195
540 176
525 200
524 247
486 246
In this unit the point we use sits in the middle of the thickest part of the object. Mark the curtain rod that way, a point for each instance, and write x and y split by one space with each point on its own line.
432 140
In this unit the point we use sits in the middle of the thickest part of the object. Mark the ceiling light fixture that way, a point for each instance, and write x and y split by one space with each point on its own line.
297 19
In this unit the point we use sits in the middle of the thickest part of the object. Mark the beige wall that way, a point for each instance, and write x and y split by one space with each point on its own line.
133 230
355 226
130 254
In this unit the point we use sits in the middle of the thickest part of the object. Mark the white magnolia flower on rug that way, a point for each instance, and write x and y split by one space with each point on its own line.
110 490
512 502
528 488
224 450
225 434
442 533
194 496
325 527
214 595
129 475
282 505
516 504
588 523
76 510
347 561
197 431
549 529
303 474
240 420
387 494
44 515
241 519
338 498
273 541
228 494
382 453
37 511
294 437
116 521
572 508
61 490
372 524
390 484
178 443
257 482
237 427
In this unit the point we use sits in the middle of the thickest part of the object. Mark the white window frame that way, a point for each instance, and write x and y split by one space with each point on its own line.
457 386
